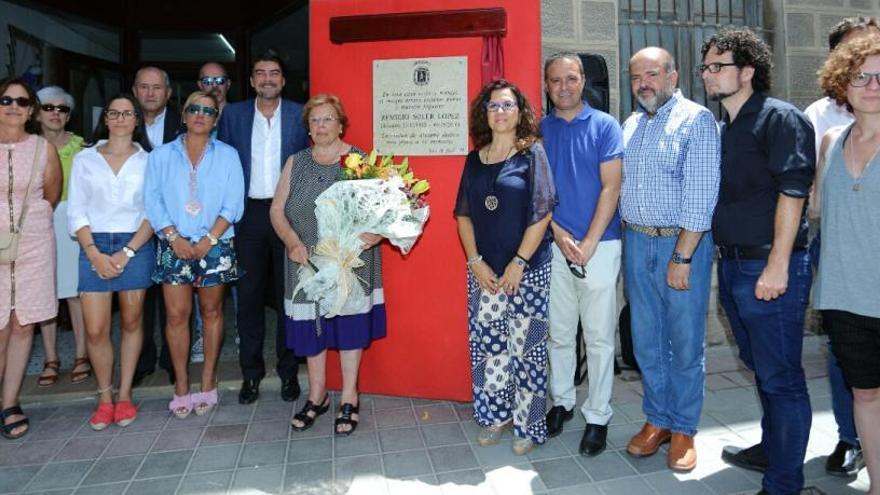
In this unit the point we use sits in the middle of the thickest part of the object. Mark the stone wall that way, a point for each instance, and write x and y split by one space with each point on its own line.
584 26
803 35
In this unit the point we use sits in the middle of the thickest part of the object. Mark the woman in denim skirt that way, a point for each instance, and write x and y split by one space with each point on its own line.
194 194
106 215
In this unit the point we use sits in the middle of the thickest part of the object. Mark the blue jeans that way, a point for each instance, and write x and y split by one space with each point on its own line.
841 393
668 328
770 339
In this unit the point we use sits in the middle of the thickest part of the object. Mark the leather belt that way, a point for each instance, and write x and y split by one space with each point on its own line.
750 252
262 201
654 231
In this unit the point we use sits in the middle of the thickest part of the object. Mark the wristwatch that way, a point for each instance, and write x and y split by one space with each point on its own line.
678 259
172 237
213 240
520 261
129 252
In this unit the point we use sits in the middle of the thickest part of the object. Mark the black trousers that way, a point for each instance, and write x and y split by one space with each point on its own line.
154 316
261 254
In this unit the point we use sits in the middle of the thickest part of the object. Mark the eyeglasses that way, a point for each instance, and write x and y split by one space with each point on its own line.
213 80
577 270
863 79
51 108
500 106
21 101
200 110
116 114
714 67
326 120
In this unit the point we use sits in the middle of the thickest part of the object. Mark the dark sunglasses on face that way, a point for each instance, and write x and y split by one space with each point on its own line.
51 108
21 101
200 110
213 81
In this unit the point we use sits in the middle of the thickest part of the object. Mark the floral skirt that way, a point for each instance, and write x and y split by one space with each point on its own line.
219 266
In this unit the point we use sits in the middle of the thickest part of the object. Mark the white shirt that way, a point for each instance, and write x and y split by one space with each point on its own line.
99 199
156 130
265 154
825 114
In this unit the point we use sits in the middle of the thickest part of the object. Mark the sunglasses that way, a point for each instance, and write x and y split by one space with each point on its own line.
577 270
51 108
213 80
500 106
21 101
200 110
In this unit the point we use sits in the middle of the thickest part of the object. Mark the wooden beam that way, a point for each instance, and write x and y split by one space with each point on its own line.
419 25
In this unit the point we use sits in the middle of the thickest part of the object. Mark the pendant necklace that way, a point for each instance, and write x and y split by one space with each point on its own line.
193 205
491 201
857 181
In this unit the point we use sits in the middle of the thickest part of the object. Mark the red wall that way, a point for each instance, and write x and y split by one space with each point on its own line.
425 353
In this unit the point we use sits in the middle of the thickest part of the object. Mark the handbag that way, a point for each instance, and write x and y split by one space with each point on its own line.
9 240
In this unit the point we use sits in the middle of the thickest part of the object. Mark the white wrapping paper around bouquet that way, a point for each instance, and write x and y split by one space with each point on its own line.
344 211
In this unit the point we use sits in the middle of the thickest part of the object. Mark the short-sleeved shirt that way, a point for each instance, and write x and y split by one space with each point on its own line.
767 150
671 166
524 187
576 150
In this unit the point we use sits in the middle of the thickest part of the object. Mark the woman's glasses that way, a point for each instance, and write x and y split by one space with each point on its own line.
326 120
200 110
863 79
51 108
500 106
117 115
21 101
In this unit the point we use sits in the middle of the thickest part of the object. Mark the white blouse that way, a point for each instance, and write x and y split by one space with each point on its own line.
102 200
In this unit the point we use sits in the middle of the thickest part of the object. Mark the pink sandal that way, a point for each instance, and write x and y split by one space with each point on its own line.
181 406
204 402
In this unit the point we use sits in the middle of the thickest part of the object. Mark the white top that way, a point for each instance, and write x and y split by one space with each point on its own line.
156 130
265 154
825 114
106 202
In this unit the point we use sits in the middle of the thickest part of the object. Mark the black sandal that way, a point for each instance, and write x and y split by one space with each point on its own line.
6 429
345 412
303 414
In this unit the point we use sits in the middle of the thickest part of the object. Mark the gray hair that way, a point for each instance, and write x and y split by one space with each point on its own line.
54 92
152 67
574 57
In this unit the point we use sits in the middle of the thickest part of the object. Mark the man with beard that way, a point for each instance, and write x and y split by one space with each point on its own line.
265 131
670 186
152 88
760 227
584 147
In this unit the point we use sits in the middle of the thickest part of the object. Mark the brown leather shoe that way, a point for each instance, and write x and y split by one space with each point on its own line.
682 454
648 440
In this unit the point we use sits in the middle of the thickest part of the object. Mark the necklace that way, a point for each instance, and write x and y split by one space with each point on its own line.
857 181
491 202
193 205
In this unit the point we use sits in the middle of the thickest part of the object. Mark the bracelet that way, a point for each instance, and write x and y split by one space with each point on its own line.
520 261
474 259
523 258
90 245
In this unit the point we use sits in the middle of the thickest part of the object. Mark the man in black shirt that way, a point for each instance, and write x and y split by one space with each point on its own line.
764 275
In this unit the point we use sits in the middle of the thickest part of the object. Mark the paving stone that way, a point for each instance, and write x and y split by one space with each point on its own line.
362 474
12 479
452 458
730 480
164 464
443 434
436 413
400 439
78 449
60 475
381 403
556 473
395 418
551 449
205 483
309 478
112 470
154 486
668 482
265 479
262 454
232 415
497 455
215 435
150 421
606 466
309 449
177 440
109 489
468 477
138 443
268 431
407 463
274 411
624 485
359 443
22 453
215 458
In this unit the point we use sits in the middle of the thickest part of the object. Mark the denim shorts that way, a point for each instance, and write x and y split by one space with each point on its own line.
136 274
219 266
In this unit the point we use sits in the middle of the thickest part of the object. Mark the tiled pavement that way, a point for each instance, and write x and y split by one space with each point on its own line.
402 446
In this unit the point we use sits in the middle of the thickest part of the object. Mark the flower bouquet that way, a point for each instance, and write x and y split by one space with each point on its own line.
373 195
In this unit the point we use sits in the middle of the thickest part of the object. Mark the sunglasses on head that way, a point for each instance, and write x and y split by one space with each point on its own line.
213 80
51 108
21 101
200 110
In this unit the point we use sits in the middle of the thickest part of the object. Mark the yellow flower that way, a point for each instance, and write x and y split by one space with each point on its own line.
353 161
420 187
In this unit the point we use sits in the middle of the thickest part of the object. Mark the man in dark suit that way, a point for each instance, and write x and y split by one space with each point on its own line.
265 131
152 88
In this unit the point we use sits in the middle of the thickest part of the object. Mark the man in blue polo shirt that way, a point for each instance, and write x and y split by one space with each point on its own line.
584 148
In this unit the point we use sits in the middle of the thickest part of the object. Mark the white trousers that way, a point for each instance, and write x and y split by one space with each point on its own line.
593 300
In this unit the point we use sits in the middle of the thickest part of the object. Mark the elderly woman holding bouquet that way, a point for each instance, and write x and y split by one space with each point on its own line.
504 206
306 175
194 191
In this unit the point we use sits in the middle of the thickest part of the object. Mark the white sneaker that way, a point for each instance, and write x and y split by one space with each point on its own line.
197 355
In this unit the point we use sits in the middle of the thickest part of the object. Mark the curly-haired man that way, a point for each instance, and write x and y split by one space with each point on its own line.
767 164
